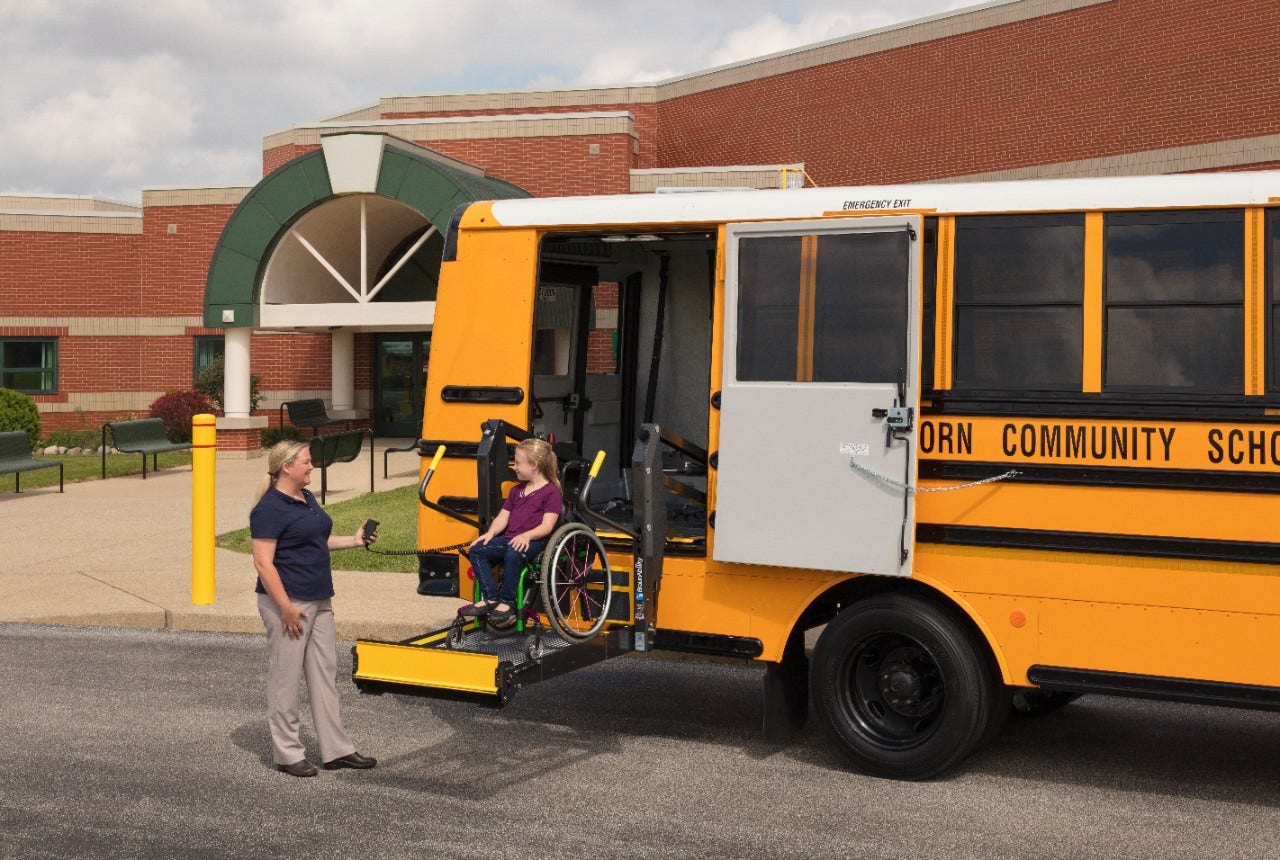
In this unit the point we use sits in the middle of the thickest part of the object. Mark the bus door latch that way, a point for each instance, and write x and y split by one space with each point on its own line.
898 420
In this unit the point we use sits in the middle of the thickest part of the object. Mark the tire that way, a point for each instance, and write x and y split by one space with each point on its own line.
576 582
907 691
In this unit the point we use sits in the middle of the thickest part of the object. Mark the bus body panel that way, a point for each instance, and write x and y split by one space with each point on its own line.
1196 618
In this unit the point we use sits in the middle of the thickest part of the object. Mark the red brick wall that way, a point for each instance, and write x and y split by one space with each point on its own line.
175 265
69 274
549 166
1109 79
276 156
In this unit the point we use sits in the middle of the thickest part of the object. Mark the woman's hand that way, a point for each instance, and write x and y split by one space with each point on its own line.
520 543
292 619
484 539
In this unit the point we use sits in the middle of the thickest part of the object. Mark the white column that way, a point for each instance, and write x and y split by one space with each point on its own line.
235 376
343 364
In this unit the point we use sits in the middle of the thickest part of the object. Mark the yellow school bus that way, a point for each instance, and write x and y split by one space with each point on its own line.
999 441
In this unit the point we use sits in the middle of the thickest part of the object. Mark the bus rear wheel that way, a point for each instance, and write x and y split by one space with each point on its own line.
906 690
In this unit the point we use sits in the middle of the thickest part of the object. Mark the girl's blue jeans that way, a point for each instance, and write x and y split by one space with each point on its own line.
482 556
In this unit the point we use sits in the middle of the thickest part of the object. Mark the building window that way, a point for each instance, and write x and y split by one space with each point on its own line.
1174 296
207 348
29 364
1019 294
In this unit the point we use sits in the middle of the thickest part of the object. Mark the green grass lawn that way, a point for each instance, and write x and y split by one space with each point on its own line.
397 514
89 468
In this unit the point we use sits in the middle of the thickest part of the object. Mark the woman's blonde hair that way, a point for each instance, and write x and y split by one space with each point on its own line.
282 454
543 457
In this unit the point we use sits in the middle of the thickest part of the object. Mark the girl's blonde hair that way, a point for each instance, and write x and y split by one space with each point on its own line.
543 457
284 453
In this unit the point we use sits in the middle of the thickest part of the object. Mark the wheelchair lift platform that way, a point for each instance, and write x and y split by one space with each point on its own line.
471 661
484 667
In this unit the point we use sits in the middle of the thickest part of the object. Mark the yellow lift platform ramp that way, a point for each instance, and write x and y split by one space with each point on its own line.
591 612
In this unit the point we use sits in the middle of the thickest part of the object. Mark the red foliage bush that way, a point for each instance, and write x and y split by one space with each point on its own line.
176 410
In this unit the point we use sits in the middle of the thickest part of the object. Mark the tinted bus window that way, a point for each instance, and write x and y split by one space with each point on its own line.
1273 292
860 319
1019 291
768 308
1174 295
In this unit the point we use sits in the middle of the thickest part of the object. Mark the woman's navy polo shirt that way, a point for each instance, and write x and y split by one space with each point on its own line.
301 532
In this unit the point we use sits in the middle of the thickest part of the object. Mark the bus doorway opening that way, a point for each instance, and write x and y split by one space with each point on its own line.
622 337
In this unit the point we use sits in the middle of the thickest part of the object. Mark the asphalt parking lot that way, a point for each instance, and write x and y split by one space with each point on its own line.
149 744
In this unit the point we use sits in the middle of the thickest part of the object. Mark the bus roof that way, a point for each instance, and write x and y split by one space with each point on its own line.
1041 195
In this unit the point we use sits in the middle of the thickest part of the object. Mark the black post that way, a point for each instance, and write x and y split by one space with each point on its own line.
651 527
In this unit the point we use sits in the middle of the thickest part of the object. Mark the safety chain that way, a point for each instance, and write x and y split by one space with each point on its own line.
915 489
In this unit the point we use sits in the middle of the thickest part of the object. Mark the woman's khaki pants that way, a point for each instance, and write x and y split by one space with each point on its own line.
314 656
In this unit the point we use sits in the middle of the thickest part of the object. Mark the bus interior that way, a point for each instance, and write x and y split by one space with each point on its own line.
622 337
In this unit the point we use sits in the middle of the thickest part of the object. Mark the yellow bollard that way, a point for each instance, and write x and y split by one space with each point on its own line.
204 458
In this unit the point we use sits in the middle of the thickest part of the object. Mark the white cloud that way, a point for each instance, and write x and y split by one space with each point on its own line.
106 96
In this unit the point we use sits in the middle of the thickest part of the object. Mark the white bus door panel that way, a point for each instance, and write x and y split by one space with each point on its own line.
820 346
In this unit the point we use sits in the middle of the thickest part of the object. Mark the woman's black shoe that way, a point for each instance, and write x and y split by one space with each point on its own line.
471 609
299 768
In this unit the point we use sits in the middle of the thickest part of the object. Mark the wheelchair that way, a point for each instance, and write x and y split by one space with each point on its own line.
571 583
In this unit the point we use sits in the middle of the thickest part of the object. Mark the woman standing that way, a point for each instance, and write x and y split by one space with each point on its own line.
291 546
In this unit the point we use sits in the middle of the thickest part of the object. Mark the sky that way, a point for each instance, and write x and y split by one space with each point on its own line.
106 97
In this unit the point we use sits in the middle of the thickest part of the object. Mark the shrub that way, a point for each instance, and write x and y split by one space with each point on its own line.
176 410
18 412
272 435
74 438
209 382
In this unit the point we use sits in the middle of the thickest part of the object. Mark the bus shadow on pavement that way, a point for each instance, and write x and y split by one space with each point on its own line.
1187 751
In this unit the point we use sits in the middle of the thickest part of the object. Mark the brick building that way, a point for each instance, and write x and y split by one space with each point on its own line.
105 306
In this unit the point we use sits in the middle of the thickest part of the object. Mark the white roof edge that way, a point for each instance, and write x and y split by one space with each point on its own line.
201 187
1247 188
455 120
61 213
738 168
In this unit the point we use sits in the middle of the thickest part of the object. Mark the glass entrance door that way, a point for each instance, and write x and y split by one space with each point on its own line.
399 378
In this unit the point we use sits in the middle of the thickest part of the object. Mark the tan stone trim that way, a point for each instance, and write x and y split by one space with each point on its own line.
274 399
742 176
466 128
109 326
1179 159
366 112
70 222
228 195
105 401
934 27
516 99
62 203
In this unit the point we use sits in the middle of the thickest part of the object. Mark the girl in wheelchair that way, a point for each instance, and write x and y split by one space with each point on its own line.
519 530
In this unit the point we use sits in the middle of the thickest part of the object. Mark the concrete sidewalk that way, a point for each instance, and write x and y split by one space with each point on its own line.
117 553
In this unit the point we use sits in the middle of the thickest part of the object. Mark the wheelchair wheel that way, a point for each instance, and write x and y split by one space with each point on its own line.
577 584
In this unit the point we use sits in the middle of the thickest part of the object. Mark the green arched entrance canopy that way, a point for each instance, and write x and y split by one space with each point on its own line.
356 163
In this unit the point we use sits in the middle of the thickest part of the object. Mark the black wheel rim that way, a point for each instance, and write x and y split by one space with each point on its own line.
893 690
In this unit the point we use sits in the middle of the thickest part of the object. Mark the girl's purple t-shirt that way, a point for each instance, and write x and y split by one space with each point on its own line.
524 511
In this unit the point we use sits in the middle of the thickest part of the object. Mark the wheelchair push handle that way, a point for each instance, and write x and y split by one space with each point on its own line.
431 470
591 476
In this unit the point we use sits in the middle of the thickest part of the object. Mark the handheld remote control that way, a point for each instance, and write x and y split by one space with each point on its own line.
367 532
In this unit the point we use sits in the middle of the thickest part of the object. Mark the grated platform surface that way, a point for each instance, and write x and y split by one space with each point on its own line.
510 647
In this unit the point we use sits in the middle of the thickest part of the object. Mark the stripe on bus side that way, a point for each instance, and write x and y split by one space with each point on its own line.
1094 542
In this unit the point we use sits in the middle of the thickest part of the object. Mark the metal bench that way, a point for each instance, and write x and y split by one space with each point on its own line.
143 436
309 413
339 448
16 457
